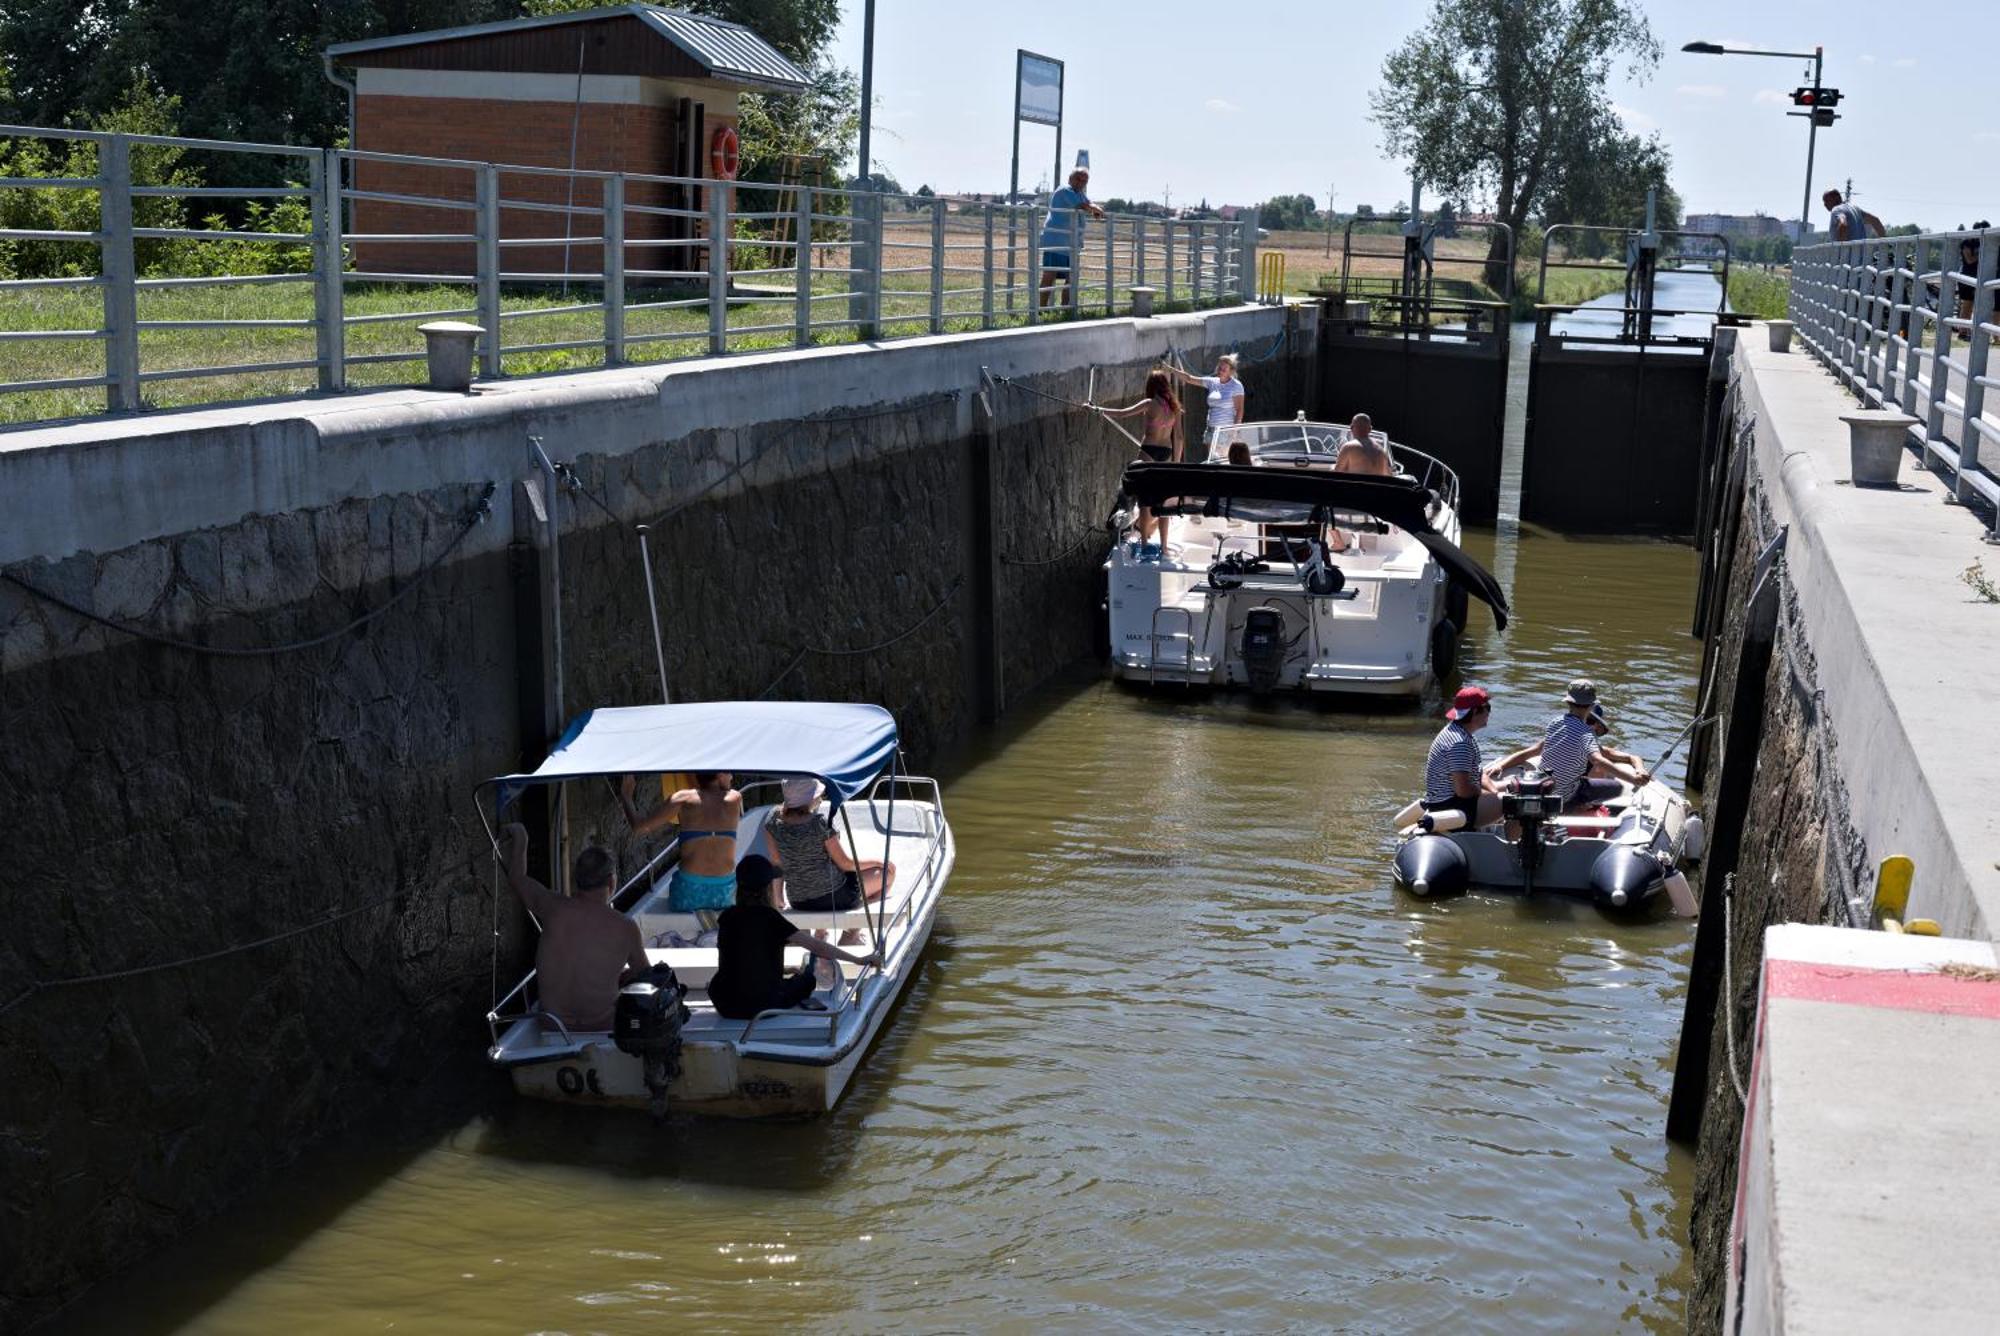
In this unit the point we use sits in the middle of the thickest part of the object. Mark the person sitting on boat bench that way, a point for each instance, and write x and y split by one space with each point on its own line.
1586 772
588 949
707 814
750 955
821 877
1453 778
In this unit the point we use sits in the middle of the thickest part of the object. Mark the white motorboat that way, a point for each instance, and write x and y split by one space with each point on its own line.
1250 595
1619 856
669 1046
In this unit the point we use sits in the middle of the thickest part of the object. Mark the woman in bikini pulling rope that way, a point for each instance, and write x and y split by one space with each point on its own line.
1161 445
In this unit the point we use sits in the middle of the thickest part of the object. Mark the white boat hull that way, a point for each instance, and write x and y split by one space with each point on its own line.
792 1063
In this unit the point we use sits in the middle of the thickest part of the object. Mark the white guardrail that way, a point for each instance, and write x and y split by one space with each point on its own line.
561 269
1909 324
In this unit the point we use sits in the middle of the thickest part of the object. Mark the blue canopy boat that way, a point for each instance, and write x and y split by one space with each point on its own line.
788 1062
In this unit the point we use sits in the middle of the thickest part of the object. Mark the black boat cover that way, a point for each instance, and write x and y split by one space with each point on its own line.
1300 496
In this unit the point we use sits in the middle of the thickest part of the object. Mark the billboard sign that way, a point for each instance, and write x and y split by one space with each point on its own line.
1038 88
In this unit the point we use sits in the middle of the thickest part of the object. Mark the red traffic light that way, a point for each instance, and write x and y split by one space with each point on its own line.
1815 97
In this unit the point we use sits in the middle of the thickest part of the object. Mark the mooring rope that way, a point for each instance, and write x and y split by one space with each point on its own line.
879 645
1066 553
479 512
37 986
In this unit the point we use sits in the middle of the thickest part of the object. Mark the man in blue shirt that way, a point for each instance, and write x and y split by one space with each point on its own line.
1063 227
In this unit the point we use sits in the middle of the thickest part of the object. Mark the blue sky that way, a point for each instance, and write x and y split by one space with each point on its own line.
1180 95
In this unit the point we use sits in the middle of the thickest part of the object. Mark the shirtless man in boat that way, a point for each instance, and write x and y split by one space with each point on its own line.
1360 453
588 949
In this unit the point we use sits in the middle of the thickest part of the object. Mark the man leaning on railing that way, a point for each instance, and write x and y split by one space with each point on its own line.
1064 230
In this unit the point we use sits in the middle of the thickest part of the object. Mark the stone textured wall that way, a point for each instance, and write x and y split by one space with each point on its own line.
170 804
1799 861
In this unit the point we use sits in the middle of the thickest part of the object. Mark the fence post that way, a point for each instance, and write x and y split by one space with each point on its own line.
718 268
1246 256
1034 280
986 271
1985 270
1167 259
1074 299
1139 252
329 264
1940 369
613 201
802 252
937 266
120 267
1110 262
486 201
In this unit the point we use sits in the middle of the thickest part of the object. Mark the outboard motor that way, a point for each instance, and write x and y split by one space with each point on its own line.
1263 647
1624 876
647 1024
1432 865
1531 806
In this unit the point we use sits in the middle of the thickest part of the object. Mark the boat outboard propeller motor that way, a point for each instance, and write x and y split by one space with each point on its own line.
1432 865
648 1025
1263 647
1533 804
1624 876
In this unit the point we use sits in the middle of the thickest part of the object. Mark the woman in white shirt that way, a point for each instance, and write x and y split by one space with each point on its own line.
1226 395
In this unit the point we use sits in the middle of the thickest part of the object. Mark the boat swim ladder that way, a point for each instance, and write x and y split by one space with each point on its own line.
1185 636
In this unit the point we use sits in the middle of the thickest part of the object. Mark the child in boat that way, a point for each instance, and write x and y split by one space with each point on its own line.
750 956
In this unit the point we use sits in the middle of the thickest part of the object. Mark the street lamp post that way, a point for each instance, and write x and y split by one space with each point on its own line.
1812 120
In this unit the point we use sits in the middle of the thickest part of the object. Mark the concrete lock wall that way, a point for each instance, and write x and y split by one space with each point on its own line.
1839 738
314 806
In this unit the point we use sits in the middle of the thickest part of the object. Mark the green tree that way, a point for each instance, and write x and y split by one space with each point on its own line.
1482 97
1601 177
1290 213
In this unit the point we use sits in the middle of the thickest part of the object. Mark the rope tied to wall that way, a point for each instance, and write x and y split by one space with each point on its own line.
1079 545
802 655
477 515
36 987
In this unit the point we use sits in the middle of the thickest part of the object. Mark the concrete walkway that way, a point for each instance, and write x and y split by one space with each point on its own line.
1903 649
1870 1158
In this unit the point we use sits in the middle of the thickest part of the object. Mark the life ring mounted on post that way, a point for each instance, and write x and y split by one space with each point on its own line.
722 146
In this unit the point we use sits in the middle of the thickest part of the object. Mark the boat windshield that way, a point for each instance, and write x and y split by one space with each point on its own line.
1303 444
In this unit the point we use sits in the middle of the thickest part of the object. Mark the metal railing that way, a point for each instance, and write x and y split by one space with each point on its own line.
560 269
1909 324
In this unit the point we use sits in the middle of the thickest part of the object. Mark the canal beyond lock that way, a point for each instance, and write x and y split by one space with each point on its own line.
1179 1057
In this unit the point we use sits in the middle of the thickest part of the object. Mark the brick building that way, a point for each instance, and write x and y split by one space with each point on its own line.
627 88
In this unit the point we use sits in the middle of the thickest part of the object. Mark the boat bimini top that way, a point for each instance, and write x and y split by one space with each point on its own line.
843 746
1267 495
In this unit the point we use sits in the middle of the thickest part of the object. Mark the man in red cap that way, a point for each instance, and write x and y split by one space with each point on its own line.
1453 777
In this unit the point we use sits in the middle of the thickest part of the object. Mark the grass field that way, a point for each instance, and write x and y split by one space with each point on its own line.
382 322
1764 294
1308 267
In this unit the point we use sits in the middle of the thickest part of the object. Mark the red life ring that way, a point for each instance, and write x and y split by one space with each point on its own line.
722 153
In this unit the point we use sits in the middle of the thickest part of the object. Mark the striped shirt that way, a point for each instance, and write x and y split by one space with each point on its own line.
1453 749
1566 751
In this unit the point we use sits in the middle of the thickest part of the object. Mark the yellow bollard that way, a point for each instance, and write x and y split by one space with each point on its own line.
1271 276
1892 895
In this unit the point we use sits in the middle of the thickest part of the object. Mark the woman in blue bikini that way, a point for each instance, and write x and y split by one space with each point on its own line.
707 814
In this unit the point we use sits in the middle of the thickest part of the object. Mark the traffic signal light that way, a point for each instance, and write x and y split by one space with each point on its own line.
1816 98
1823 116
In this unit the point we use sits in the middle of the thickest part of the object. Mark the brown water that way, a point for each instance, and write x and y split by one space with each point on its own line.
1179 1057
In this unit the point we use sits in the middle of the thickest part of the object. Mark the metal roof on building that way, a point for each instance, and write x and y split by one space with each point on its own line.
728 51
